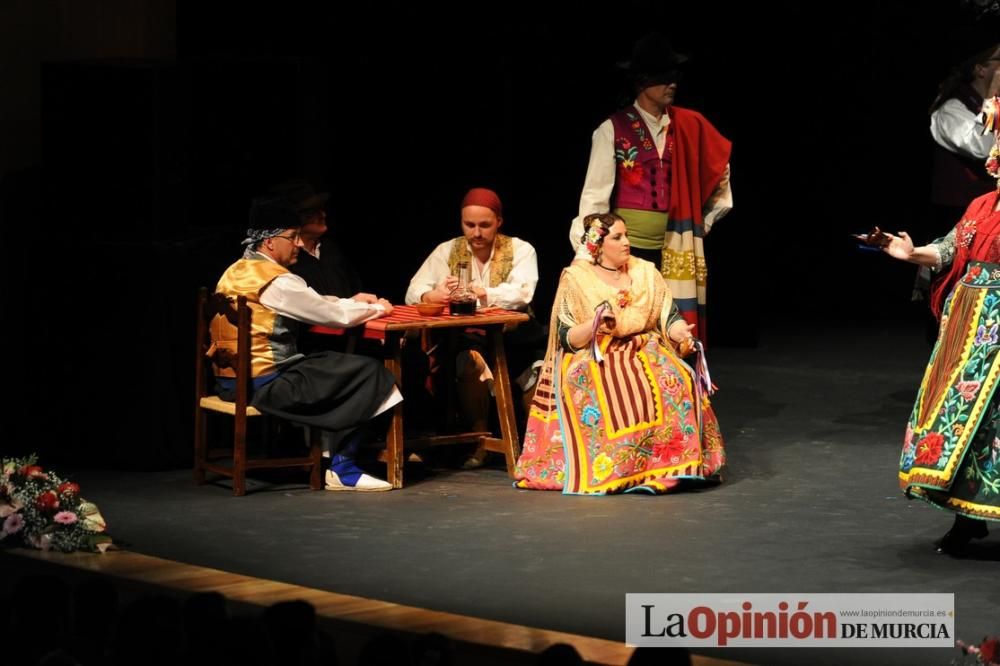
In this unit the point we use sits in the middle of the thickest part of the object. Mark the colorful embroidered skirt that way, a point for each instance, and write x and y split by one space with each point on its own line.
631 423
951 447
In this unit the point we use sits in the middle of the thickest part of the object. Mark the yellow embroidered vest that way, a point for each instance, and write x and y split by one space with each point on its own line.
272 337
502 262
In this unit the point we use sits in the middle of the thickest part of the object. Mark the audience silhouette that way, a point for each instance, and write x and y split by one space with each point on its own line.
44 621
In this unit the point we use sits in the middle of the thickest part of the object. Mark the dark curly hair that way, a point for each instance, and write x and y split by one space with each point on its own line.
603 223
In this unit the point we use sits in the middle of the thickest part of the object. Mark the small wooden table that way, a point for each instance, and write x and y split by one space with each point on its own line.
392 329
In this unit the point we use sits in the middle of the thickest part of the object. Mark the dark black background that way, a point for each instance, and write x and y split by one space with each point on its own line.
148 167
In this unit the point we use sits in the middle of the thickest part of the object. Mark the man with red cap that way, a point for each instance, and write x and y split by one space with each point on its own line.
502 272
504 269
665 171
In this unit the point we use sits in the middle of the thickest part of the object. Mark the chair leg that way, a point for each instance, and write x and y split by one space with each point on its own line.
199 446
394 436
240 457
316 456
447 371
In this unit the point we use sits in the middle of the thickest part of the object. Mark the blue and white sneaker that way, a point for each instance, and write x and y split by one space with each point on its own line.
343 474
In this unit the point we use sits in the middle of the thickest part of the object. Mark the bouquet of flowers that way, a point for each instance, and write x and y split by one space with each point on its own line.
44 511
987 652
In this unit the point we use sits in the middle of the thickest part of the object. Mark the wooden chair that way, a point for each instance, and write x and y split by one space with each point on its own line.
210 306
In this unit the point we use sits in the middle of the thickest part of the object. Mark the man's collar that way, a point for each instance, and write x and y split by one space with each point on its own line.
257 254
650 119
493 247
315 250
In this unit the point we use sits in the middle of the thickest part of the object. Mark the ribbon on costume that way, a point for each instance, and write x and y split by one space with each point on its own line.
595 346
701 373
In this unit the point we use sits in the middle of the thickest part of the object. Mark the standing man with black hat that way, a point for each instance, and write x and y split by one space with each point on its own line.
336 392
320 263
665 171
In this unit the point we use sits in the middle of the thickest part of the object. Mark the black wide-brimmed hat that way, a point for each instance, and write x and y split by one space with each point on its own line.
271 212
653 59
302 195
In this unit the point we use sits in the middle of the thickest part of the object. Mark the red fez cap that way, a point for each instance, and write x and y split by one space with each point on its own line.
480 196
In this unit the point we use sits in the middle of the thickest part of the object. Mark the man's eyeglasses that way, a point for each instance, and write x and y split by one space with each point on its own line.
291 239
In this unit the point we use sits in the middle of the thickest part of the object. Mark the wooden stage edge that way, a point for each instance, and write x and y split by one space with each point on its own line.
336 612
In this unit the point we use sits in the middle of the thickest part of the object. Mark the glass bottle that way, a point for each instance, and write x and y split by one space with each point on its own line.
463 299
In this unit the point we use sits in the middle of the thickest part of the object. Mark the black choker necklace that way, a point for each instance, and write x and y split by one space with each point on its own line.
613 270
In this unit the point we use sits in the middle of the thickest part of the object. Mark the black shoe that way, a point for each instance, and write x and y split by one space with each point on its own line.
475 461
956 540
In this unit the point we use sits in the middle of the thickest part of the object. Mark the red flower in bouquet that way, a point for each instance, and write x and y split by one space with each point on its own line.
989 650
69 488
986 652
47 501
33 472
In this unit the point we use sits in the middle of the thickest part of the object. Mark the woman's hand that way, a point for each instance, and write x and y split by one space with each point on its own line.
608 323
385 304
899 247
680 334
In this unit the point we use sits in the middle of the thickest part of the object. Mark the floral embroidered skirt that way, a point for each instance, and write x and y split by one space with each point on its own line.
951 446
629 423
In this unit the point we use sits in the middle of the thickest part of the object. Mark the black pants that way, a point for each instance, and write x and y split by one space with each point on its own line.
333 391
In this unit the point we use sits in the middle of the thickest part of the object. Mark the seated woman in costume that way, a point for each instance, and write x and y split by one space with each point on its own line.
952 441
616 408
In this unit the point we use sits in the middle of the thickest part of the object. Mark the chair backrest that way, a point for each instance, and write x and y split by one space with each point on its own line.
214 355
209 355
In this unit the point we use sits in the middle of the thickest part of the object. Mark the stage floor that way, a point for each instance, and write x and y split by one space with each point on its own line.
813 423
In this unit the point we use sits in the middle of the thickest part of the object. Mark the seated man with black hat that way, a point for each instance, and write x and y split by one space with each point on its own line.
336 392
502 272
665 171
